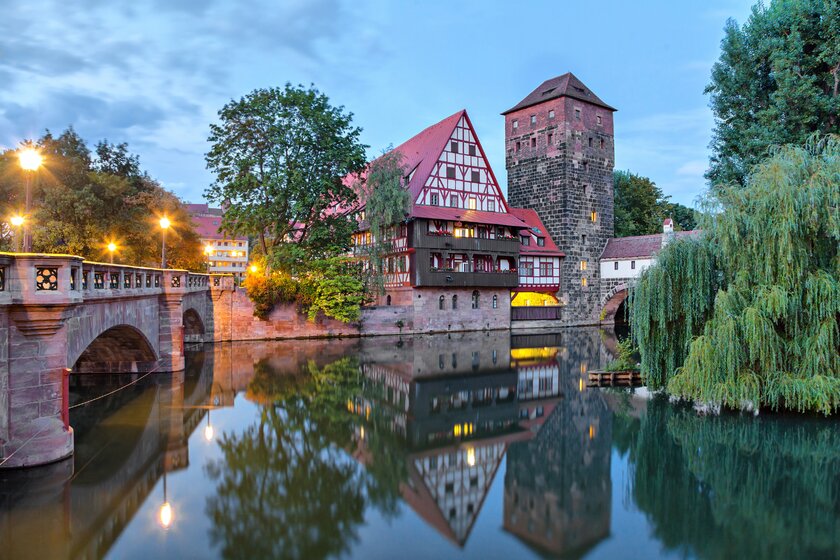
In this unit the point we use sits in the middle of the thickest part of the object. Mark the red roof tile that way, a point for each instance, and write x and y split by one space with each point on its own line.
472 216
567 85
535 226
644 246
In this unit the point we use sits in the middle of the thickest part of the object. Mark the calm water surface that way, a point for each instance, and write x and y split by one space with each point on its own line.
470 446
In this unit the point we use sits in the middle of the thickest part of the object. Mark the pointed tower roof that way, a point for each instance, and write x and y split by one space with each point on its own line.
567 85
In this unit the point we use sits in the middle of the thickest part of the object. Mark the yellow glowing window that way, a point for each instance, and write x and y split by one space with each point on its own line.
583 281
583 265
594 216
473 203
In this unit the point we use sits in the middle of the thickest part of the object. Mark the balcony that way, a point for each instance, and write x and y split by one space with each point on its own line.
508 246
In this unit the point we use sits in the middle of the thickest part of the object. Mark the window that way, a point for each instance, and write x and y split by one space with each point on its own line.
533 121
577 116
388 300
475 176
491 205
598 118
515 124
585 166
551 114
583 281
534 142
615 265
526 268
401 263
525 240
495 306
433 199
590 141
453 147
583 265
454 306
450 172
472 149
475 296
441 303
550 139
453 201
540 241
583 239
546 269
518 146
632 265
473 203
585 190
602 143
594 216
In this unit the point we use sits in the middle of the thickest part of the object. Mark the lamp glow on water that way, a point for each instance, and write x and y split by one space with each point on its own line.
165 515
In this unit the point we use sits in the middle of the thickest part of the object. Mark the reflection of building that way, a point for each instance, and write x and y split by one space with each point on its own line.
229 255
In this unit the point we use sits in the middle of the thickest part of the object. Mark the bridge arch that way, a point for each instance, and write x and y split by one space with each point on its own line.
194 329
121 348
614 305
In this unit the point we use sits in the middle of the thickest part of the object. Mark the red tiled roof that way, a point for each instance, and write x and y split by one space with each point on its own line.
207 227
472 216
639 245
567 85
536 227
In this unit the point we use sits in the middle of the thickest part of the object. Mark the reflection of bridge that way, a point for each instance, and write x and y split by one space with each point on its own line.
60 314
136 436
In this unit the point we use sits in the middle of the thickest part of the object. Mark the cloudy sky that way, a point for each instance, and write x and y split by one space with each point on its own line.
154 73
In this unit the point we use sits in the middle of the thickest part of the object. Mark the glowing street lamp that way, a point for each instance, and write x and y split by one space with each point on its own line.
112 248
209 432
254 269
17 221
208 252
164 225
30 161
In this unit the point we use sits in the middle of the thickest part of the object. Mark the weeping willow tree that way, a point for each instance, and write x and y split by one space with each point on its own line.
749 313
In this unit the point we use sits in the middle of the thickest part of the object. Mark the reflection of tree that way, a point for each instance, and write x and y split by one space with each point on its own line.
286 487
738 487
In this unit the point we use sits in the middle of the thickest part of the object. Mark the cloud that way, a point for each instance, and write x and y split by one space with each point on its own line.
695 168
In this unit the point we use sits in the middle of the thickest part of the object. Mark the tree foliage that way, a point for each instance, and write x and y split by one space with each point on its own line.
641 206
761 288
83 200
279 156
777 81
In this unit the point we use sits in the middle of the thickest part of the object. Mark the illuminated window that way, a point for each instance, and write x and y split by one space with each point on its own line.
583 282
583 265
473 203
594 216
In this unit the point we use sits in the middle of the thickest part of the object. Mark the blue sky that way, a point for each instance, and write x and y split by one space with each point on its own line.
154 73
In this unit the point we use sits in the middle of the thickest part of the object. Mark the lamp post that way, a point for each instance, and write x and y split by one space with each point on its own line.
30 161
17 221
164 225
112 247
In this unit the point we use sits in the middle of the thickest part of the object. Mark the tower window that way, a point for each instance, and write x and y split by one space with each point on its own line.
594 216
583 281
550 139
577 114
590 141
533 142
450 172
602 143
551 114
453 147
585 167
517 146
615 265
598 118
475 176
583 239
585 190
472 149
583 265
533 120
515 124
433 199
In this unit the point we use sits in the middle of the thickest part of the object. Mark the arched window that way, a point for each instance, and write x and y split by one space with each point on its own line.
495 302
475 299
388 300
454 302
441 303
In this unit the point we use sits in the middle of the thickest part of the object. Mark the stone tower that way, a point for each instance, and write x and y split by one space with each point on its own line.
560 159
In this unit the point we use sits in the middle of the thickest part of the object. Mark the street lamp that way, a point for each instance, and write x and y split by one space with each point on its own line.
30 161
112 247
254 269
164 225
208 250
17 221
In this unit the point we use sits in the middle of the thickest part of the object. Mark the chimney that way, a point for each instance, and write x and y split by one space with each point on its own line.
667 231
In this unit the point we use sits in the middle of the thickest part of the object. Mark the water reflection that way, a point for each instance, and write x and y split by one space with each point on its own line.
309 442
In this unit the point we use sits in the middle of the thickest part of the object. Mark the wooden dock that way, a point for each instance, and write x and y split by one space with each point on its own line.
628 378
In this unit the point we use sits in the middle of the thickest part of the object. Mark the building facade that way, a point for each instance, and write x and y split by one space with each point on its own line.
225 255
559 157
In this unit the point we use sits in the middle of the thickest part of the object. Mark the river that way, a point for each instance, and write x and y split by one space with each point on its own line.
474 445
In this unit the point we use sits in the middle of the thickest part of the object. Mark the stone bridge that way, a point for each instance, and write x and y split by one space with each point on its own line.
61 315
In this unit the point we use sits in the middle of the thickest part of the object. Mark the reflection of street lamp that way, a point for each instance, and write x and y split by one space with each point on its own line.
471 457
208 429
30 161
164 225
17 221
165 515
112 247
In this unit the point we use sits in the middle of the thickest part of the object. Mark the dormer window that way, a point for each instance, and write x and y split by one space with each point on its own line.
541 241
526 240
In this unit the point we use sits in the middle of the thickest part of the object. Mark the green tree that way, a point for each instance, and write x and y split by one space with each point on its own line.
683 216
777 81
640 206
280 157
749 313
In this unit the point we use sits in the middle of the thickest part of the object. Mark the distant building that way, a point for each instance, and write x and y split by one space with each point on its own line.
230 255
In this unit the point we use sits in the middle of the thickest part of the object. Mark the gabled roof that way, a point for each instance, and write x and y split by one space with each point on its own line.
567 85
639 246
536 227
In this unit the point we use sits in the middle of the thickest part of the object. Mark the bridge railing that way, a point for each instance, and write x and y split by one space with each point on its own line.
49 278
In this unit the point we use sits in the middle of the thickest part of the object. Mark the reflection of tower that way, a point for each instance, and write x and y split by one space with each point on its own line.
557 486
